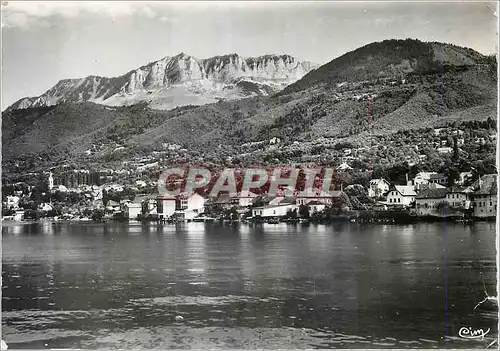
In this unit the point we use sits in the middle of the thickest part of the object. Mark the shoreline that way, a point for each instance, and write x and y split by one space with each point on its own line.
334 220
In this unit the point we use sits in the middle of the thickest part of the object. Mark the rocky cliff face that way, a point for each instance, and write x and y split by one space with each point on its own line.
269 67
179 80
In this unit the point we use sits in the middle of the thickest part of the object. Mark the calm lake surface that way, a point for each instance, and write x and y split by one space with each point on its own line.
268 286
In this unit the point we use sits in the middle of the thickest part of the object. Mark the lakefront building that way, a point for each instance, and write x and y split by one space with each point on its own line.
459 198
165 206
273 211
180 207
485 197
132 210
378 187
189 206
401 195
428 202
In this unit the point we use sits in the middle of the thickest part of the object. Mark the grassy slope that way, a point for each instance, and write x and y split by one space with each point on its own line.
387 59
61 125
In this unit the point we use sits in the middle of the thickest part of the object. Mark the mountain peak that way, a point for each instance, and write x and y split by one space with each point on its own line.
182 56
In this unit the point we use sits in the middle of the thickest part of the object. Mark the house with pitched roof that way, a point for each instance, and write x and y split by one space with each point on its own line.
378 187
344 167
426 201
459 197
401 195
421 178
424 178
132 210
189 206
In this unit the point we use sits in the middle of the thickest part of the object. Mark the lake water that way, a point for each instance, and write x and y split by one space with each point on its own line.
267 286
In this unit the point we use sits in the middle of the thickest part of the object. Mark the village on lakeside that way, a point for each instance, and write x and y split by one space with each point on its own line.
425 197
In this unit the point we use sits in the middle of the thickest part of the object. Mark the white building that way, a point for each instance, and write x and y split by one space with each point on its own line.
244 198
273 211
189 206
401 195
378 187
45 207
132 210
13 202
194 202
422 178
165 206
18 215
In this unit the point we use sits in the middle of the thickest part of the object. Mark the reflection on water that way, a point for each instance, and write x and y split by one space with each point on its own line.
250 286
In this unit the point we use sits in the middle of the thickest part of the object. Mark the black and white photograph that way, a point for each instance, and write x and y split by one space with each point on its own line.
249 175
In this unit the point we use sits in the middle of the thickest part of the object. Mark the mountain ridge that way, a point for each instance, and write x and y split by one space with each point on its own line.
310 117
215 77
390 58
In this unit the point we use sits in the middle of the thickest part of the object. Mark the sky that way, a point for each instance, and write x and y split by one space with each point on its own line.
44 42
